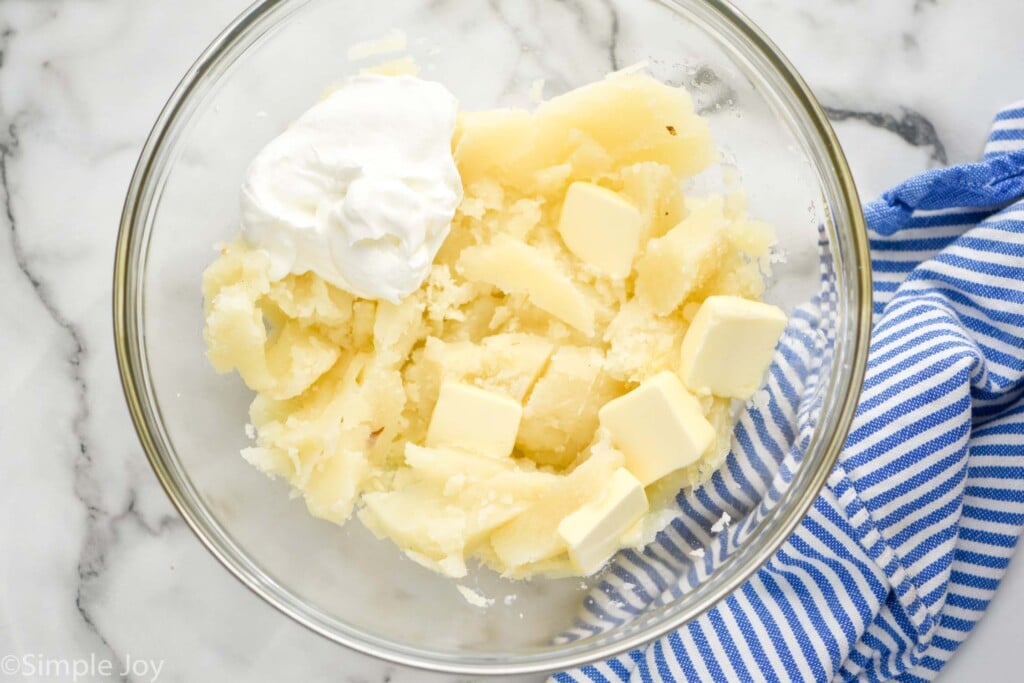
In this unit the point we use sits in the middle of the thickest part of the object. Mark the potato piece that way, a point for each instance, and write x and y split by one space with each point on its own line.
311 301
634 117
533 535
641 344
272 462
736 275
295 358
516 267
445 296
235 335
363 315
509 363
237 267
298 433
418 518
439 517
441 464
477 480
333 485
396 328
753 238
620 120
560 417
655 190
512 362
681 261
494 143
588 159
382 392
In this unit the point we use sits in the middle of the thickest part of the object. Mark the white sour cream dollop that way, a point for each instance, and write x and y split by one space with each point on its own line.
361 189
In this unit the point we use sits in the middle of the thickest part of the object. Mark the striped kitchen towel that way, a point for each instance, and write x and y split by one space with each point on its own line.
906 545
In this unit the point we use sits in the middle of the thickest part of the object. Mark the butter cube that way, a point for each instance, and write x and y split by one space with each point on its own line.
601 228
593 532
729 345
659 426
475 420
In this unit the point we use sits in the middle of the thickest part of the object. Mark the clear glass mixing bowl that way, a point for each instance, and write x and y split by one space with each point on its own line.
268 67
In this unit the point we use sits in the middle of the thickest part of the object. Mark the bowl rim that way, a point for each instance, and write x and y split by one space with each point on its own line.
129 354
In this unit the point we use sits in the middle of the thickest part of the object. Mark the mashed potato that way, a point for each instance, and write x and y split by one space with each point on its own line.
345 387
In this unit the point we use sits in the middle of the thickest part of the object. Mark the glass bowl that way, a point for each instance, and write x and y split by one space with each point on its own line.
269 66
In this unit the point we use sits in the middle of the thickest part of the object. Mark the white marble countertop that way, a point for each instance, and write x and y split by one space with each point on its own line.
94 561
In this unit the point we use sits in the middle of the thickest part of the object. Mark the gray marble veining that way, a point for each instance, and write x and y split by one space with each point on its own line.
912 127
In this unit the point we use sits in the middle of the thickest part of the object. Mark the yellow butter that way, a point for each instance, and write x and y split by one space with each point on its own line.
594 532
474 419
729 345
600 228
659 426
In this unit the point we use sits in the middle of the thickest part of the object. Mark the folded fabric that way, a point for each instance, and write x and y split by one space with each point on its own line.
906 545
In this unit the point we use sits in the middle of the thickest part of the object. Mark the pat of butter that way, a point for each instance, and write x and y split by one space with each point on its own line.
729 345
658 426
593 532
474 420
601 228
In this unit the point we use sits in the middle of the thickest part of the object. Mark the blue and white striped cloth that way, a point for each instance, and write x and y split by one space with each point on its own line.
905 547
